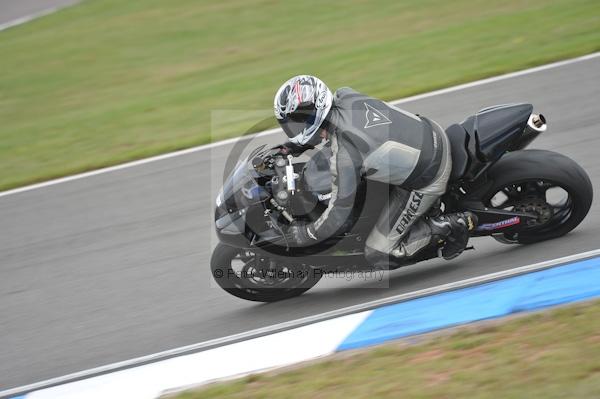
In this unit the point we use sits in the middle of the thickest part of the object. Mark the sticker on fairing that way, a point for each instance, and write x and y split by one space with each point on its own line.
500 225
324 197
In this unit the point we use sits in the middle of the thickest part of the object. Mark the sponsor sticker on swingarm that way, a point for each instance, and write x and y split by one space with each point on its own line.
500 225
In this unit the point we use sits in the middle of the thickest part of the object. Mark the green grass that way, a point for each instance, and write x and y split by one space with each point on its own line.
554 354
110 80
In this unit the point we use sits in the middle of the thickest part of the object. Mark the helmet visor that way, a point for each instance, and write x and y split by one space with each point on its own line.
299 121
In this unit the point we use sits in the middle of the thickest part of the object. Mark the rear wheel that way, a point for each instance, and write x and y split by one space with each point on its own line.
249 276
547 184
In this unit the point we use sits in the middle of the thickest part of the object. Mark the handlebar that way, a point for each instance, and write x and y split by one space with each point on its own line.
283 180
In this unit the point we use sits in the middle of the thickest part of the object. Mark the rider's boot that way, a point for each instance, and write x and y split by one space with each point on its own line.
451 232
447 234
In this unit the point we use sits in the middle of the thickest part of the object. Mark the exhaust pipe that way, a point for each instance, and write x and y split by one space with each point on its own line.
536 124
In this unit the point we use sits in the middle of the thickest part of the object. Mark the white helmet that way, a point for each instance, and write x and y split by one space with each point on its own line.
301 105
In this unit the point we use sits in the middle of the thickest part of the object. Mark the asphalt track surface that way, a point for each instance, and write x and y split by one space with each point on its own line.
115 266
11 10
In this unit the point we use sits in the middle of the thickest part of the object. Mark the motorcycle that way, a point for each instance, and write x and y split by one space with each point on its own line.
520 196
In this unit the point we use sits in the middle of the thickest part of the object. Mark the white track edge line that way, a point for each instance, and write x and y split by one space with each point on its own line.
276 130
299 322
30 17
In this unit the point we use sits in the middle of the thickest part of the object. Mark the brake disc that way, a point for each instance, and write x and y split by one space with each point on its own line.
537 206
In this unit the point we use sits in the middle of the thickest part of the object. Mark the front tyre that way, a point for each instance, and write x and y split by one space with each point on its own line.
548 184
246 275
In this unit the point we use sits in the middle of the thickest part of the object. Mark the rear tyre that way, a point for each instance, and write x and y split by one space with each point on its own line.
245 275
528 181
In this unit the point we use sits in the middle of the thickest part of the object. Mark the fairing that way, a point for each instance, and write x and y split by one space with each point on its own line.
240 191
496 128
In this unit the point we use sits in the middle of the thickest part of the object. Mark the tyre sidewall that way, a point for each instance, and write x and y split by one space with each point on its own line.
226 278
550 166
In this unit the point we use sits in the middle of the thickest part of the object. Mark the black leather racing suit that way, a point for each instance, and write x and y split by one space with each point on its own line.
374 140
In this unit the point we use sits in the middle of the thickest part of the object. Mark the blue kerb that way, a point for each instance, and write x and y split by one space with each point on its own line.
562 284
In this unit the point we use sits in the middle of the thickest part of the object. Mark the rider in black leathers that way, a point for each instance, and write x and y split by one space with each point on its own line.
373 140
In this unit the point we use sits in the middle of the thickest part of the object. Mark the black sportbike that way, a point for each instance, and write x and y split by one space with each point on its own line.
520 197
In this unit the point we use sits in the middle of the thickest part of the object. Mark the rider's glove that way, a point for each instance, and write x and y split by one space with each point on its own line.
301 235
290 148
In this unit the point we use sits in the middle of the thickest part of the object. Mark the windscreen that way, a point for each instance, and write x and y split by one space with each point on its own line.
241 188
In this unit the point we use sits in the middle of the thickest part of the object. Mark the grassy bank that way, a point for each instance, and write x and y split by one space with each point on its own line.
554 354
109 80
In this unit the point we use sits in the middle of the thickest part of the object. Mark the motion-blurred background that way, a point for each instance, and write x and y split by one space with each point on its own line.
108 81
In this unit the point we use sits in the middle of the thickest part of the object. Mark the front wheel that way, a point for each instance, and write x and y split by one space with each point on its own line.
249 276
548 184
